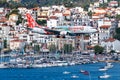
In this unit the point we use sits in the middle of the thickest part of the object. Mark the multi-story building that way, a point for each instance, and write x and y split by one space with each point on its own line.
113 3
111 44
4 34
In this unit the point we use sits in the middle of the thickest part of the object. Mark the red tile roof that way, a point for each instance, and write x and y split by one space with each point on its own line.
110 40
89 47
53 17
105 26
16 41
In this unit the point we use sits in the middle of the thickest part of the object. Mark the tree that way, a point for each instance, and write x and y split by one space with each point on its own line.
5 43
86 6
117 30
20 19
104 5
67 48
90 13
117 36
36 48
117 17
41 22
52 48
98 49
112 51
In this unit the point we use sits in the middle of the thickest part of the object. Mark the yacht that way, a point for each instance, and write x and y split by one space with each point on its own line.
66 72
2 65
103 69
82 71
104 76
74 76
109 65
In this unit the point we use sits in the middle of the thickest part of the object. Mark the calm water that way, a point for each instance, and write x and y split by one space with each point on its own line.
56 73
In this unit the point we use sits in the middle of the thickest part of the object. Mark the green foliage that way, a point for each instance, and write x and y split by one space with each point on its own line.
33 3
86 6
52 48
90 13
19 19
3 3
14 11
5 43
67 48
43 22
98 49
117 35
104 5
112 51
117 30
36 48
117 17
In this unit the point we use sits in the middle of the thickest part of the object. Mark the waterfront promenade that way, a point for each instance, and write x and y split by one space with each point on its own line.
52 60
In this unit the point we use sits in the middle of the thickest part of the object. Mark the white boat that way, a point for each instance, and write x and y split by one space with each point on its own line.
66 72
82 71
2 65
103 69
74 76
104 76
109 65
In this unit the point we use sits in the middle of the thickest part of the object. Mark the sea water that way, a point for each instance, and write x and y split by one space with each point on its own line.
57 73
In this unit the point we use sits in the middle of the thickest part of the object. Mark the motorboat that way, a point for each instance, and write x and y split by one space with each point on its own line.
2 65
104 76
82 71
109 65
74 76
103 69
66 72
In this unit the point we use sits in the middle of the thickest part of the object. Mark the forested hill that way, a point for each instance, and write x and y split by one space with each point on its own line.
34 3
58 2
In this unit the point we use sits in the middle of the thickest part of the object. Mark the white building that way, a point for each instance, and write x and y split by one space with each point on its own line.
96 4
22 10
111 44
104 32
94 39
52 22
113 3
16 44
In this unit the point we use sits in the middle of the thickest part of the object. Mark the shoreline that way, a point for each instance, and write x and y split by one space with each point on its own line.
109 61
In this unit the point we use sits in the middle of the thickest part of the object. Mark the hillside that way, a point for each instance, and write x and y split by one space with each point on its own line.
34 3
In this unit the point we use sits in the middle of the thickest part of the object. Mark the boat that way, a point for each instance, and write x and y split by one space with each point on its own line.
104 76
109 65
82 71
103 69
2 65
74 76
66 72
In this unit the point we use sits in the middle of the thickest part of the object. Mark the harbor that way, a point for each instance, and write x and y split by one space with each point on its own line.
61 73
52 60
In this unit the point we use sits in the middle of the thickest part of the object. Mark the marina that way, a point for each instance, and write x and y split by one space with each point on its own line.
59 39
62 73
